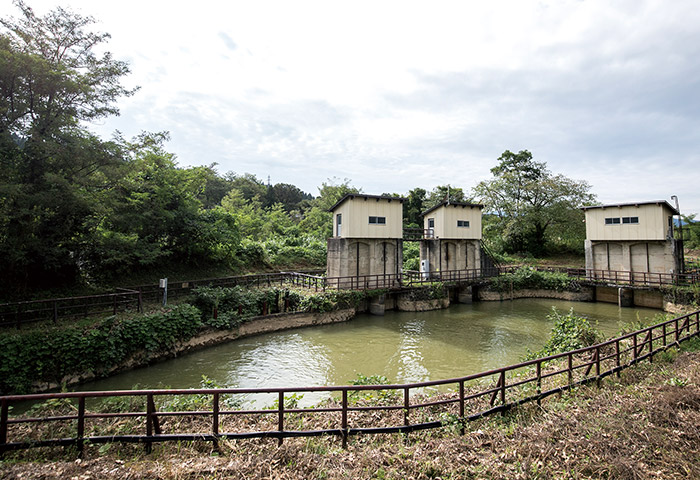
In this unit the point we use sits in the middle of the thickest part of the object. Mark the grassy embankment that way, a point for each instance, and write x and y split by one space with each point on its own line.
646 424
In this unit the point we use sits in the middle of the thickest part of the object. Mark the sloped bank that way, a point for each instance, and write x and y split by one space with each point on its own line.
264 324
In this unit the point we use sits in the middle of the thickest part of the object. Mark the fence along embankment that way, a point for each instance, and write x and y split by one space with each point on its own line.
161 415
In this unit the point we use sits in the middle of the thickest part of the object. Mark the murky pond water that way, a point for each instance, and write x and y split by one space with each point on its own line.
405 347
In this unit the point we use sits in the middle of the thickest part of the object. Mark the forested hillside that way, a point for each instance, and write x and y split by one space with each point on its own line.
77 209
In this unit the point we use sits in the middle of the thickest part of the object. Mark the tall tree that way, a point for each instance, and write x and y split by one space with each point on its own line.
443 193
51 81
155 212
414 207
527 202
318 221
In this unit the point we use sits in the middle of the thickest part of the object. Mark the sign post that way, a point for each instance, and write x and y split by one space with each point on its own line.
164 286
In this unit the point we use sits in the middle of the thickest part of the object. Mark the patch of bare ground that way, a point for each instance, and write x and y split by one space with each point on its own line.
645 424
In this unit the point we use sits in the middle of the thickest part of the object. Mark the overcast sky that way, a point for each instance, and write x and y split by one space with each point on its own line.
398 95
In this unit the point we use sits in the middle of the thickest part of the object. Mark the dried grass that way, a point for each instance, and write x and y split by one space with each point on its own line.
644 425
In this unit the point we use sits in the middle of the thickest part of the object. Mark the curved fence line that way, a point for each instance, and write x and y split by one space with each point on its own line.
17 314
211 418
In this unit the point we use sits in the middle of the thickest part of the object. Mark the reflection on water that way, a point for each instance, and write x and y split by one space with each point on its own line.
405 347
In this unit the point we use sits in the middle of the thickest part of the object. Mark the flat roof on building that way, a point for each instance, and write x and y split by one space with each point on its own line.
634 204
456 204
365 197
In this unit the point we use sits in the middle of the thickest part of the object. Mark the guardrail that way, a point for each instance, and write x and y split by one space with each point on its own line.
16 314
619 277
396 409
52 310
19 313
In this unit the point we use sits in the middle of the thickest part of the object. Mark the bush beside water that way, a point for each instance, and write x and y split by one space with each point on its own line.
570 332
526 277
52 354
49 355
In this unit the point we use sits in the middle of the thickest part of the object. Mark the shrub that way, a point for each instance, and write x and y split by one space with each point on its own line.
528 277
570 332
292 250
52 354
383 396
335 300
226 307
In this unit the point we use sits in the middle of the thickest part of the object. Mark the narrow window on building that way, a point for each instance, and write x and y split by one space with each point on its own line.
612 221
463 223
377 220
339 224
631 220
431 223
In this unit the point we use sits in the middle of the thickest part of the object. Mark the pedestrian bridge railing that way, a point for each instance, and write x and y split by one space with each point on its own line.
17 314
620 277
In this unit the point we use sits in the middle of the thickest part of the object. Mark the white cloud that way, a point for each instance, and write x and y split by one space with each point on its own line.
396 95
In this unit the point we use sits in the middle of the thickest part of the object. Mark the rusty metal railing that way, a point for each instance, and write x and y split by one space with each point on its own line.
620 277
20 313
17 314
471 397
418 233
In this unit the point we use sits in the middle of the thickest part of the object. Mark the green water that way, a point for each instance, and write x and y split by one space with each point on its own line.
405 347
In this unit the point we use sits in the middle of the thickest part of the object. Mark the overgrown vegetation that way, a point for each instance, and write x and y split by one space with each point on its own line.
689 295
570 332
96 347
529 277
642 425
372 396
50 355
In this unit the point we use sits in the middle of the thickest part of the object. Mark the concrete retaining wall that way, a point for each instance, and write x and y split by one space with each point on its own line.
208 338
585 295
606 294
405 304
649 298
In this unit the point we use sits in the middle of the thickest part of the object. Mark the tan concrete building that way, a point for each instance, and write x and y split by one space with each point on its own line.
632 237
367 236
452 237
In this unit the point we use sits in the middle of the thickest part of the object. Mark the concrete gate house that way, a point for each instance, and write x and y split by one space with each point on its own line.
367 239
452 237
632 237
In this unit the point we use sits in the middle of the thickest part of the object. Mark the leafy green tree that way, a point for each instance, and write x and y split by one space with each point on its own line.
443 193
289 196
414 207
250 186
691 232
318 221
155 213
216 187
249 214
528 204
52 80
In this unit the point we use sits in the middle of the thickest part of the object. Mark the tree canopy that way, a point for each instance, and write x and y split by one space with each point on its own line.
78 208
531 208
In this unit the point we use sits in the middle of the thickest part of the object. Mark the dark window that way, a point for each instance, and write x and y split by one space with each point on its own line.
431 223
463 223
377 220
612 221
630 219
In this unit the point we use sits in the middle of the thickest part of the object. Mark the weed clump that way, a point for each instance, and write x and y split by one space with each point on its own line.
570 332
